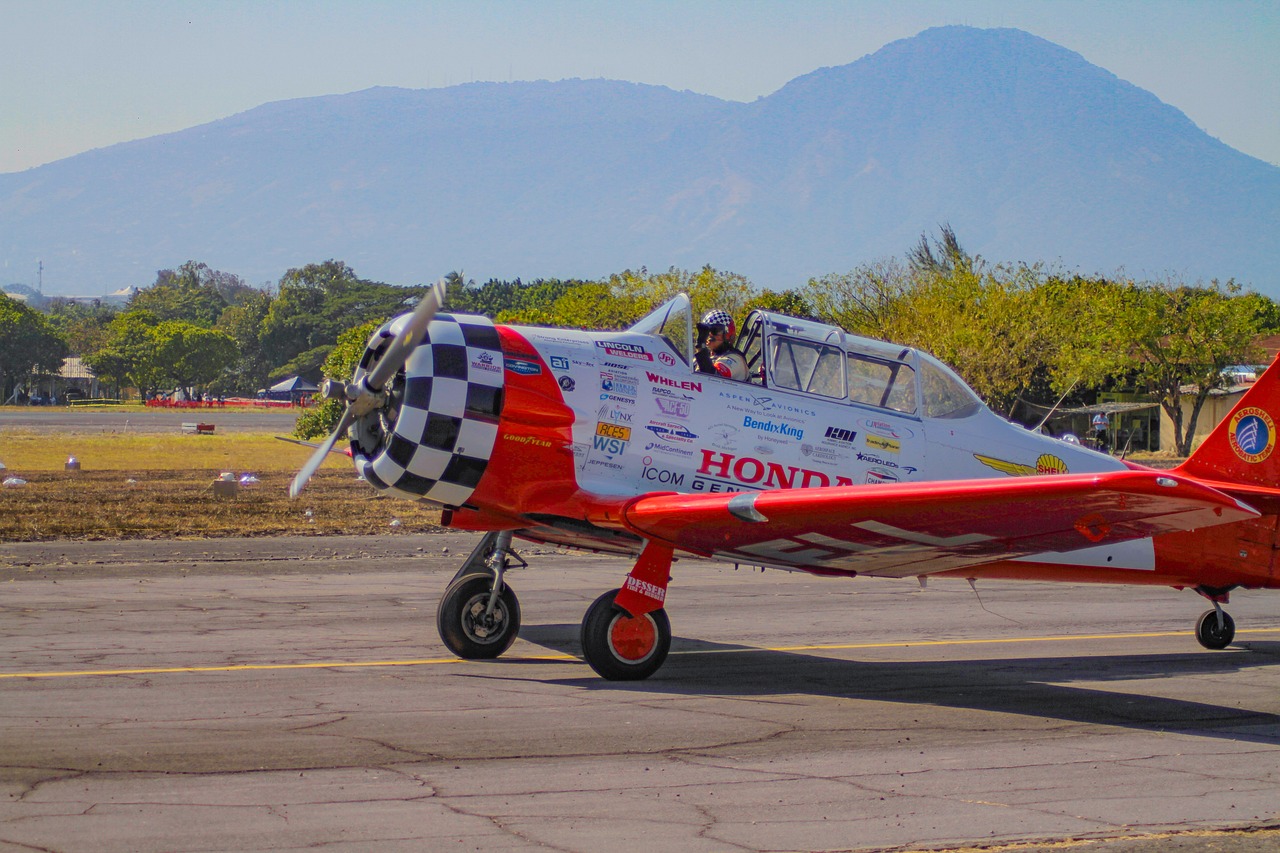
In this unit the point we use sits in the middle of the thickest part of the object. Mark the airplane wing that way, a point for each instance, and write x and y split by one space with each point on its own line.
921 528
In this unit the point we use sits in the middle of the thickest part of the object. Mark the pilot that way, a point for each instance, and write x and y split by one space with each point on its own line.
716 352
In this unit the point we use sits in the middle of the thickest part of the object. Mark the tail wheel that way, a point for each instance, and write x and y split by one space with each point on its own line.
462 622
1210 634
621 647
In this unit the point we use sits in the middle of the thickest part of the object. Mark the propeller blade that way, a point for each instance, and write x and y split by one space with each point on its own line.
317 458
398 353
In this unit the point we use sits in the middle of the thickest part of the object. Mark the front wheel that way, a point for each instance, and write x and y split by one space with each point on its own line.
462 622
621 647
1210 634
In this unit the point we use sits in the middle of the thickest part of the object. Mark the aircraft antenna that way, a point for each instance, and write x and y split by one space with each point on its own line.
1045 419
973 585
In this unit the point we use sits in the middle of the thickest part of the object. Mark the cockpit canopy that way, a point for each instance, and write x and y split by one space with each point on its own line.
815 358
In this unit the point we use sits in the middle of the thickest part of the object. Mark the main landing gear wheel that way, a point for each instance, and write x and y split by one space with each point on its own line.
464 626
1210 634
621 647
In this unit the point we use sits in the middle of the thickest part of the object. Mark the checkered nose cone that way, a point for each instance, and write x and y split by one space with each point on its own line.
447 423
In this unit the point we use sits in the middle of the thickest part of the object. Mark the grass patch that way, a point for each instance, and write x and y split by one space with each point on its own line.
29 451
181 505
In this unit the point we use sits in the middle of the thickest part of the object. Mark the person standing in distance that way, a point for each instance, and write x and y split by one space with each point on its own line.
715 352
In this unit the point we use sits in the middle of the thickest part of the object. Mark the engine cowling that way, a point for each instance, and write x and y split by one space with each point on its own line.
432 438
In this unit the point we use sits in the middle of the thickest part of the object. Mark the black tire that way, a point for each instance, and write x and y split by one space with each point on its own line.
1210 635
620 647
460 618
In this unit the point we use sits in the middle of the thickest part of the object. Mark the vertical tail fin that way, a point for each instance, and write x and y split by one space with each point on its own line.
1243 447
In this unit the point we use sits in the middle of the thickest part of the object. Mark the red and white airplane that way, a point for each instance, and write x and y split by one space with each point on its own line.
841 456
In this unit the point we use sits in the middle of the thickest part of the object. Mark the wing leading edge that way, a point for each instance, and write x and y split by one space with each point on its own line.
915 529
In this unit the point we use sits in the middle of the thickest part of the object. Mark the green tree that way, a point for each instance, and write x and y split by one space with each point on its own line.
243 322
318 302
1180 338
128 356
28 344
193 293
189 356
319 421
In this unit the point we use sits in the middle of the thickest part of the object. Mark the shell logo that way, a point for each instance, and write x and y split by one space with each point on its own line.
1049 464
1251 434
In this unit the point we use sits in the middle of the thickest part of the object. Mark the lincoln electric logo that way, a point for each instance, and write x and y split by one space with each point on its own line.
619 349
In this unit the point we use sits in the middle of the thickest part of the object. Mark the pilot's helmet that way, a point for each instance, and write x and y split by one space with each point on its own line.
718 320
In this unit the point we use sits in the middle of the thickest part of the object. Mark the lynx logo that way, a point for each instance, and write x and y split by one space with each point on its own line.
559 362
618 349
841 434
617 416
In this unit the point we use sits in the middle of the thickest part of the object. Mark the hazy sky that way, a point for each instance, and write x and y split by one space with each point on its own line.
81 74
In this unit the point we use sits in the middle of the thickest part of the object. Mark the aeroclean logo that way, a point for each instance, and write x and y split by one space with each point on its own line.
1252 434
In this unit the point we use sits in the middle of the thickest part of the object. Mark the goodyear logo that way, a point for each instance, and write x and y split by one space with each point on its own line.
1252 434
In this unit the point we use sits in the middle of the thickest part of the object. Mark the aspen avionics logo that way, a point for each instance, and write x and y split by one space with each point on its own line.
1251 434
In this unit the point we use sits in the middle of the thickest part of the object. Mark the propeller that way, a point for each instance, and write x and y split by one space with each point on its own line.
368 393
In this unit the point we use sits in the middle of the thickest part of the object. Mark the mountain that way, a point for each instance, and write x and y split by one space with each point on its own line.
1027 150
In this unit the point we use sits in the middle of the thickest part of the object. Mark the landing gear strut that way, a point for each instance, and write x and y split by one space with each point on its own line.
1215 629
479 615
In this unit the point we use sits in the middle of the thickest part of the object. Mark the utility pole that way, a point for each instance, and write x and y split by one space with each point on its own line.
40 277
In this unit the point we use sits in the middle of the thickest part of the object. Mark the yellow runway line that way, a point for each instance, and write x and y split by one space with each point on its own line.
250 667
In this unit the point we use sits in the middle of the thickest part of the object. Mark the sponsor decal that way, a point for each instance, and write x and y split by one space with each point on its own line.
662 475
614 398
763 450
559 362
618 349
827 455
841 434
484 362
885 463
671 432
524 367
878 476
659 391
616 365
1252 434
772 427
879 442
682 384
723 435
672 408
1047 463
613 431
614 414
605 463
750 471
669 449
566 382
886 429
755 403
615 384
648 590
527 439
667 358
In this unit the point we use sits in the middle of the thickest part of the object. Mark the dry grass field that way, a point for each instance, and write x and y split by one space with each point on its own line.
161 486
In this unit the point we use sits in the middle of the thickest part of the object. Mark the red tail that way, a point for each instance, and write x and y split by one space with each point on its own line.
1244 447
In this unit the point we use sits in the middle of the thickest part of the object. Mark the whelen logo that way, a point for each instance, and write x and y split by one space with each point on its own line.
769 475
682 384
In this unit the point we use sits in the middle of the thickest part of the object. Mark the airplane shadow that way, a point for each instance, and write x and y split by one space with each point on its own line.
1039 686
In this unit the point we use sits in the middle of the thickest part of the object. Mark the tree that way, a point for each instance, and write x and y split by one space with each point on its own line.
1180 338
193 293
320 420
28 344
129 355
243 322
190 356
318 302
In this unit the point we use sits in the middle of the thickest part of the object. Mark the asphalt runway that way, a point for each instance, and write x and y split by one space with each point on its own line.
286 693
66 419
